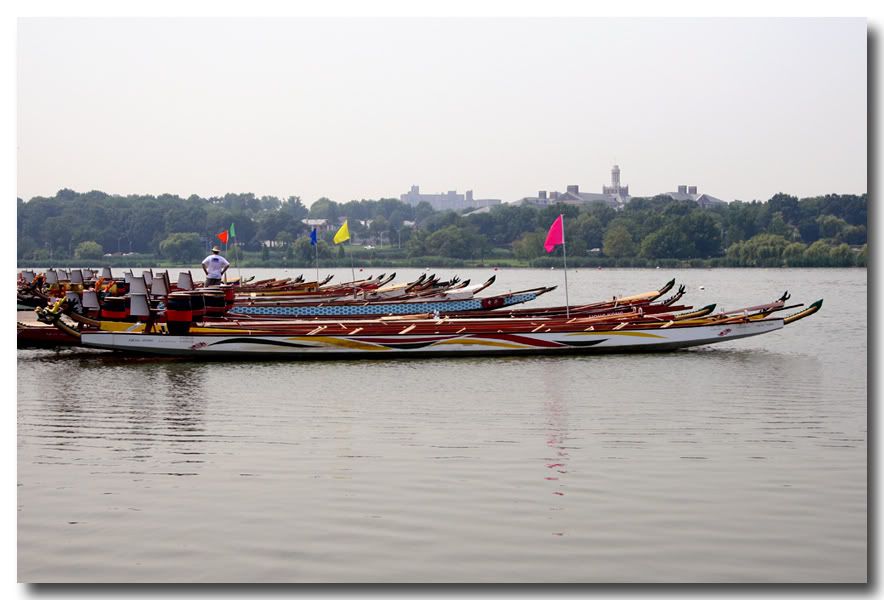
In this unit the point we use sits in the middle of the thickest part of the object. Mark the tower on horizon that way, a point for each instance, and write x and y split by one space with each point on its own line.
615 189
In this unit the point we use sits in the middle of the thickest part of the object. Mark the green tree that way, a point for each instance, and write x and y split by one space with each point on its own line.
778 226
841 256
819 253
417 244
422 212
704 233
51 228
270 224
618 242
830 226
669 242
88 249
855 235
294 207
793 254
325 209
590 230
285 238
455 242
763 250
305 252
863 256
787 207
270 203
182 246
530 245
185 215
379 228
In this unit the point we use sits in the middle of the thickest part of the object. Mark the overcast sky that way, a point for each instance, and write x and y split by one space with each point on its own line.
365 108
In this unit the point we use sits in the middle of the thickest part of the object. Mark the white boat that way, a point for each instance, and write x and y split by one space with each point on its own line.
406 338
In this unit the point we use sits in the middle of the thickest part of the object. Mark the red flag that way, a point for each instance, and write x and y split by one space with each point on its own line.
222 236
556 235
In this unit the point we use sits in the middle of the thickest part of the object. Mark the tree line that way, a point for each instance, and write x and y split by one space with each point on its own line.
783 231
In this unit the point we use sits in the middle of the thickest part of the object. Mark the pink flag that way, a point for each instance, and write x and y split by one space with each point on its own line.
555 236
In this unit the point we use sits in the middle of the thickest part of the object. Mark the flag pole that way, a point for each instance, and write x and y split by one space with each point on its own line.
554 237
316 251
565 262
236 260
232 235
340 239
352 268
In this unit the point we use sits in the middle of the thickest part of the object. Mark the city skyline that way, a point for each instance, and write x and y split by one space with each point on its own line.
365 108
611 192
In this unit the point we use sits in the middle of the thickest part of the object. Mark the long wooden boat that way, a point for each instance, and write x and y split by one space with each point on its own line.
40 289
40 335
438 337
142 317
319 289
349 308
217 305
115 315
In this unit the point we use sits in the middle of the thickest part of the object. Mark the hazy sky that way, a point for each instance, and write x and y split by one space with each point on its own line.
364 108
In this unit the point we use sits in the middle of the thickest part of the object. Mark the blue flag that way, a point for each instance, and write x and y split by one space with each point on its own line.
313 237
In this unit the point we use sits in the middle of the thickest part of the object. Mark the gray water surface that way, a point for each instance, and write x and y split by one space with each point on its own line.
743 461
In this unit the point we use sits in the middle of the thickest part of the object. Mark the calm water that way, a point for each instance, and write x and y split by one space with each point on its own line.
744 461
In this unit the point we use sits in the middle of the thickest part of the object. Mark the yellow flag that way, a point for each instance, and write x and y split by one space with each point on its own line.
343 234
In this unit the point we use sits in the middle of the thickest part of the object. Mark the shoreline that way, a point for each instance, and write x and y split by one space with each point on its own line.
419 264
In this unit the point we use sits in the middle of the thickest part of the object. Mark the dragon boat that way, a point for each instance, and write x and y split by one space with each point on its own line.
454 299
268 297
429 336
109 299
210 305
40 289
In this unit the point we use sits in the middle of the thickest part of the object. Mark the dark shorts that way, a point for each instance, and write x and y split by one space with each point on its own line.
213 281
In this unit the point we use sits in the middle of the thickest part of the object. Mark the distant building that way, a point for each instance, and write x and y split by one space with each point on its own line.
689 192
614 195
621 192
321 225
450 200
543 198
573 195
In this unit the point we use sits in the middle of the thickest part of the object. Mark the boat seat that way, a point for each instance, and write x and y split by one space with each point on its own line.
90 300
185 281
158 286
138 305
137 286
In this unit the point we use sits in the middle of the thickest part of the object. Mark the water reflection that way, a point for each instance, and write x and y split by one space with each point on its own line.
144 412
556 461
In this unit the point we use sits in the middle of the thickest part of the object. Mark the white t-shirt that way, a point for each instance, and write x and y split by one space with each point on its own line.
215 264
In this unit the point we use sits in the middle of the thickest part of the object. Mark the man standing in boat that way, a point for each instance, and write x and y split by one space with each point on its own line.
214 266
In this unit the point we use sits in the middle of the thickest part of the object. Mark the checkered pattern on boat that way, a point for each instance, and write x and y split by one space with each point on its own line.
403 308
